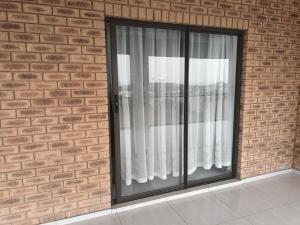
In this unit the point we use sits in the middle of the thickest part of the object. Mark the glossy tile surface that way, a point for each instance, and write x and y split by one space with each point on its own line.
271 201
204 209
161 214
281 215
244 200
280 190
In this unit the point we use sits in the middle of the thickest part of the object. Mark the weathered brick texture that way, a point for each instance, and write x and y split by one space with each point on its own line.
54 150
297 143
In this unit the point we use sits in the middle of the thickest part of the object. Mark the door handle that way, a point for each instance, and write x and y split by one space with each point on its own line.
116 103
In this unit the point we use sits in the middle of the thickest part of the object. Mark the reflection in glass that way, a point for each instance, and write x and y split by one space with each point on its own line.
151 71
150 79
212 66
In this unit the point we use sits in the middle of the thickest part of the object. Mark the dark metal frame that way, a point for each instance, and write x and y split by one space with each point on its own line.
111 23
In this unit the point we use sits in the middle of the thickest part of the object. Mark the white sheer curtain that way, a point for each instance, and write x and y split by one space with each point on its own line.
211 100
151 75
151 80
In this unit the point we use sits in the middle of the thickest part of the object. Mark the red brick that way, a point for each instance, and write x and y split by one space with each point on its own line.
37 196
7 185
43 67
5 56
33 147
31 130
52 2
6 46
20 174
79 4
22 17
8 168
79 22
13 218
11 66
53 20
27 76
80 40
10 6
10 26
40 29
68 49
24 207
40 48
62 30
58 111
68 12
28 94
49 170
60 144
5 95
39 9
19 157
54 39
91 14
26 57
62 176
57 93
15 122
23 37
7 132
44 102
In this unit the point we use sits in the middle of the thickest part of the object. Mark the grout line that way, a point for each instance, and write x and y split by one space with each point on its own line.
175 211
263 210
248 221
245 217
120 221
267 200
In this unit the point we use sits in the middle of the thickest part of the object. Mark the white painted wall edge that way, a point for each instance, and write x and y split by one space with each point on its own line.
169 198
80 218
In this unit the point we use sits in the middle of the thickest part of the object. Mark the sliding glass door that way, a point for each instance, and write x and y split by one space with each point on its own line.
173 98
150 67
212 76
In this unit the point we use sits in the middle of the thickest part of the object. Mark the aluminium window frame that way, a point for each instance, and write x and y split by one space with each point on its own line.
114 129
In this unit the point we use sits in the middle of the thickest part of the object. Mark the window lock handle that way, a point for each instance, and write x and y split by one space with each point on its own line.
116 103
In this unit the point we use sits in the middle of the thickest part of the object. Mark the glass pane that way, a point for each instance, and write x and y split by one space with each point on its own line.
150 84
212 68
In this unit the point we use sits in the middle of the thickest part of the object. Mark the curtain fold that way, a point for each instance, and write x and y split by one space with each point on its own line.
211 100
151 94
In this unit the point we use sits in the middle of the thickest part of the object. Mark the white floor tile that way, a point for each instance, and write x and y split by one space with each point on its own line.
236 222
281 215
279 190
203 210
160 214
272 201
244 200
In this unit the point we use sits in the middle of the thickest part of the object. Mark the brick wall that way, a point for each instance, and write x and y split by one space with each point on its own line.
54 151
297 142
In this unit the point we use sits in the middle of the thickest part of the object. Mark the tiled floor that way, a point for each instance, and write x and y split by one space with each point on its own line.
272 201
